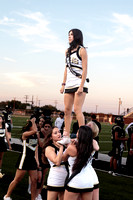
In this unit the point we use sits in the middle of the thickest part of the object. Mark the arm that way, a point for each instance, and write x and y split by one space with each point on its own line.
64 79
70 151
52 156
33 130
83 55
95 145
7 138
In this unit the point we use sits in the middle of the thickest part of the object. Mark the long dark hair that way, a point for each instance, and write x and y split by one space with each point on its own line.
48 142
78 39
84 147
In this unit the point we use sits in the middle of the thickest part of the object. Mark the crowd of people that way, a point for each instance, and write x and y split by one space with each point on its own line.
42 154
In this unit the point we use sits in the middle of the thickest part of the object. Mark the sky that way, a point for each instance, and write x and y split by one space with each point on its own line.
33 40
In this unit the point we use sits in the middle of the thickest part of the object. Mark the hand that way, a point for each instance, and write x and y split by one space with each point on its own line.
62 89
59 145
10 147
80 90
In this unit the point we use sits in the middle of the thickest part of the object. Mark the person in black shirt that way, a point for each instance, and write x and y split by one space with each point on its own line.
118 143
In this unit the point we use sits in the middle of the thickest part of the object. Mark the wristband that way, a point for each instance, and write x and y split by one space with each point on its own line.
63 83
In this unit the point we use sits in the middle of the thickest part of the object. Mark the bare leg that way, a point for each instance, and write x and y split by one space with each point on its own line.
61 196
18 177
1 158
42 183
33 178
95 194
51 195
71 195
86 196
78 103
68 101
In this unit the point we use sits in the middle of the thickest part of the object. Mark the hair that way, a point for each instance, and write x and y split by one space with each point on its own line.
48 142
94 128
78 39
3 121
93 116
84 147
48 122
27 126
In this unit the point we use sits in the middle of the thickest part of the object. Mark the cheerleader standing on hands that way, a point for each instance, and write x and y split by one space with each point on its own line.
74 82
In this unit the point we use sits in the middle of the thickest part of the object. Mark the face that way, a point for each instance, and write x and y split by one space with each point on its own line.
41 121
56 135
47 128
70 37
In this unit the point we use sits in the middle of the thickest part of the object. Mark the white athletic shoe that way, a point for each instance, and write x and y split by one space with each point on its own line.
65 140
114 174
110 172
1 175
29 189
7 198
39 197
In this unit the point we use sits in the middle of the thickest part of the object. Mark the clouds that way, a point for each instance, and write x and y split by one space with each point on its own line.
34 30
25 79
117 41
8 59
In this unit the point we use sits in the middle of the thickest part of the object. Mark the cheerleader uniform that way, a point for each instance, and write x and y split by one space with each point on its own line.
57 174
26 160
3 147
73 82
85 181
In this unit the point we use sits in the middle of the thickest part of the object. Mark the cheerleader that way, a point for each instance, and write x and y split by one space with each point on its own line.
3 147
26 161
74 84
53 151
81 181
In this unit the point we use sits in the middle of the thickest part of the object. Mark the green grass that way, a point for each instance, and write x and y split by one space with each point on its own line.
119 188
105 142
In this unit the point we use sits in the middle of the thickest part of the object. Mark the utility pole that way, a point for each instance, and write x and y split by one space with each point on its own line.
96 108
120 102
26 98
56 103
14 103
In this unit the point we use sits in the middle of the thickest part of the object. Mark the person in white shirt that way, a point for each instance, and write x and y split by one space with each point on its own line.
59 121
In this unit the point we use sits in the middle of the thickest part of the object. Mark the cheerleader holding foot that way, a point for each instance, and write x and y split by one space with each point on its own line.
53 151
81 181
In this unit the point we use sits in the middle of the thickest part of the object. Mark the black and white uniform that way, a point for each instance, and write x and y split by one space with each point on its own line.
57 174
3 147
7 117
26 160
73 82
84 181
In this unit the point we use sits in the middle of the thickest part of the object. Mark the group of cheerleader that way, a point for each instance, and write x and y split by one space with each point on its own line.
71 175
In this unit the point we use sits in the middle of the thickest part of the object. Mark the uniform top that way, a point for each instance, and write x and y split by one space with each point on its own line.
56 151
76 65
120 131
2 132
7 116
31 142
